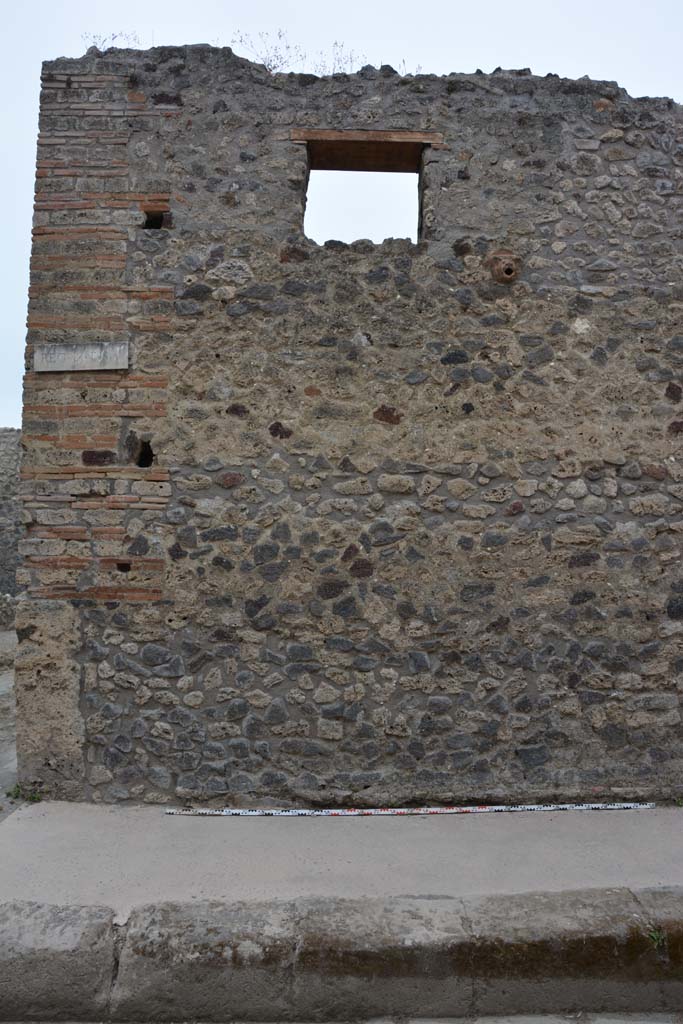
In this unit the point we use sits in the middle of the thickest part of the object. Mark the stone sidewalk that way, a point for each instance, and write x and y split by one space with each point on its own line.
123 856
125 914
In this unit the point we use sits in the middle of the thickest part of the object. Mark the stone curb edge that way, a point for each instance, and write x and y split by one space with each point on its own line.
599 950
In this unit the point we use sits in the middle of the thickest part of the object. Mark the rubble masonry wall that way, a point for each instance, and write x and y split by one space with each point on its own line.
9 507
409 533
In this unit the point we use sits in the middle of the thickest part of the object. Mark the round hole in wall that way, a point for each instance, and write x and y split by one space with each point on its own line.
504 266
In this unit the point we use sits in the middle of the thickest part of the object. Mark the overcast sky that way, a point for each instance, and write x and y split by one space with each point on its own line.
638 44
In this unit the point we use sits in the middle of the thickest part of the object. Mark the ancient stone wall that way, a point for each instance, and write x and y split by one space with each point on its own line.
9 507
351 523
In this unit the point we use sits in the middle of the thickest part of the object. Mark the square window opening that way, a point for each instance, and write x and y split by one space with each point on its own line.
364 184
349 205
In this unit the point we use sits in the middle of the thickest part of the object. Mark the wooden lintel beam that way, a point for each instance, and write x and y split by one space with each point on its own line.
329 135
395 151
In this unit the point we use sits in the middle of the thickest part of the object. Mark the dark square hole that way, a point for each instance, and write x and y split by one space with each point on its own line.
156 219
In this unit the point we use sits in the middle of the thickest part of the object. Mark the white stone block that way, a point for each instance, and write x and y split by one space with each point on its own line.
91 355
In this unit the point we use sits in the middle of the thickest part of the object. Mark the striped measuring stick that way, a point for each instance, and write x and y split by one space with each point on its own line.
385 812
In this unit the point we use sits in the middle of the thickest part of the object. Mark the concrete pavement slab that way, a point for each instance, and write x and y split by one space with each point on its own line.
127 856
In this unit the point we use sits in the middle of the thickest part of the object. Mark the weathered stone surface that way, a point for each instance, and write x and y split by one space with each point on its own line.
339 483
331 958
324 958
9 512
50 730
8 748
93 355
7 611
56 962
